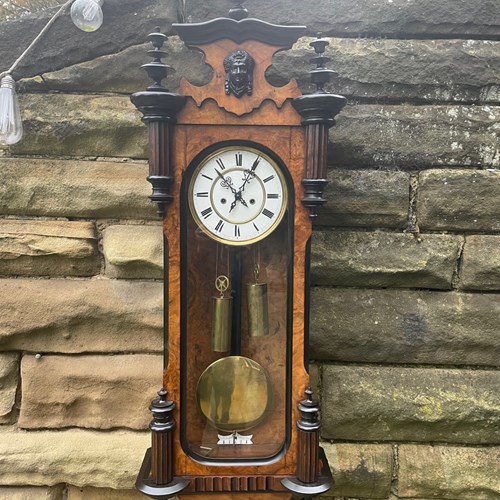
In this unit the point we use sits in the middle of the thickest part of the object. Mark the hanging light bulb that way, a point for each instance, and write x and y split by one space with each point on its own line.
87 14
11 125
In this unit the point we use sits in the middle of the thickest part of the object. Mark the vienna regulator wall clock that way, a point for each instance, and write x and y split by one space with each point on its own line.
238 168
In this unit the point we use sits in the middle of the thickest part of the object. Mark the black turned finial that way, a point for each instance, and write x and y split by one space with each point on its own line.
309 412
320 75
162 410
157 70
238 12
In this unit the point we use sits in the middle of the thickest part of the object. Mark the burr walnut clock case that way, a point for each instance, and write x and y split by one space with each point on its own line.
238 168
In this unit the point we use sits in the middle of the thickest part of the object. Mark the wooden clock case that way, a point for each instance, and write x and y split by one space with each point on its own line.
293 129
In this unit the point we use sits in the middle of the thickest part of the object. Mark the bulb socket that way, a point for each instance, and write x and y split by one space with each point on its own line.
8 82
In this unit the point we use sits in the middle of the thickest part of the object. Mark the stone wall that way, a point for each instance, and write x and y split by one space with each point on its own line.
406 255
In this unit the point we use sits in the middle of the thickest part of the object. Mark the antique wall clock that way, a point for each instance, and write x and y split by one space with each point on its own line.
238 168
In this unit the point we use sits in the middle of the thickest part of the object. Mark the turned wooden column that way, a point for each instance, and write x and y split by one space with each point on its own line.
162 439
308 467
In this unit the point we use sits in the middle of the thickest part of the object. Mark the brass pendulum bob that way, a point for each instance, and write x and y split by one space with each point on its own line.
258 314
222 314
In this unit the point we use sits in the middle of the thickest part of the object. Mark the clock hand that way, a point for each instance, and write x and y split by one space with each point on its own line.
249 174
237 196
226 184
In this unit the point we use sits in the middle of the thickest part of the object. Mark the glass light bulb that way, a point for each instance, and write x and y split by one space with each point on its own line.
11 125
87 14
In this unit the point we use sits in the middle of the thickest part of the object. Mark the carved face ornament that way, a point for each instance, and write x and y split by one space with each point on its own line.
239 73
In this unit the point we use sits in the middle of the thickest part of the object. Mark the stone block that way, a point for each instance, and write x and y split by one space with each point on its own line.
402 70
383 259
133 251
9 378
403 326
126 23
466 200
67 316
81 125
48 248
359 470
79 457
32 493
378 18
372 403
481 263
366 198
89 391
105 73
70 188
449 472
408 137
75 493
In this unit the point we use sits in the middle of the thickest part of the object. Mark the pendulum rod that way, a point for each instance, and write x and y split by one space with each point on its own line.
237 288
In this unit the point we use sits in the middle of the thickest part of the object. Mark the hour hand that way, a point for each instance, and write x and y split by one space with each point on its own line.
226 184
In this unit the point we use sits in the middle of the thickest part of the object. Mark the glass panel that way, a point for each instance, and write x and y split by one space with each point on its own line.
235 345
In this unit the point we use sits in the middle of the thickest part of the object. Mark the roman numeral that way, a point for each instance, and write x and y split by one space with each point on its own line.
239 159
272 196
268 213
219 225
267 179
237 231
207 177
207 212
256 228
204 194
221 164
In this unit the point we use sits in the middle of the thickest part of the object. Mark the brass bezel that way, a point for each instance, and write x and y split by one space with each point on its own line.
284 203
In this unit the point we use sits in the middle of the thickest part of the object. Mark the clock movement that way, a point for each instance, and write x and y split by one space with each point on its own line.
238 169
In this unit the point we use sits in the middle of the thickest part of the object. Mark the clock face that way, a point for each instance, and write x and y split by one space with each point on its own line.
237 195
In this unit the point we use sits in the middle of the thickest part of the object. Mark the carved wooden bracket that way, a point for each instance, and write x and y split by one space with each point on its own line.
262 54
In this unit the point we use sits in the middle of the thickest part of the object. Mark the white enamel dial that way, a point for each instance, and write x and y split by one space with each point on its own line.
237 195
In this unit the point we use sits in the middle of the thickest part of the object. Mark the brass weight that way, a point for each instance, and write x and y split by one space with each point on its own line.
222 314
222 317
258 313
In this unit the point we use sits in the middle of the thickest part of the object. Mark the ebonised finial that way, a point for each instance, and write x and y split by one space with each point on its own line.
238 12
320 75
157 70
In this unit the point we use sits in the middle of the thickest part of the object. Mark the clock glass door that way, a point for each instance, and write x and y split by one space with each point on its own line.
236 307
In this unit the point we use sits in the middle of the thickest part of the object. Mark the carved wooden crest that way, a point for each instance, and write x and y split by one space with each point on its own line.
257 39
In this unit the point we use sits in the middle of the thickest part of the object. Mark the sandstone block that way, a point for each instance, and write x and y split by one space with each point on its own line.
67 316
415 137
449 472
367 17
105 73
396 326
9 368
81 125
481 263
126 22
89 391
32 493
133 251
423 70
367 198
78 457
67 188
359 470
102 494
459 200
410 404
383 259
37 247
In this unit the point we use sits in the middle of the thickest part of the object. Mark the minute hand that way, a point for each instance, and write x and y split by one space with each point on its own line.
249 174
